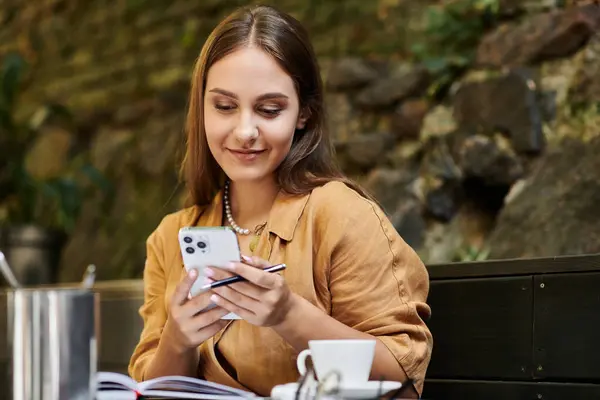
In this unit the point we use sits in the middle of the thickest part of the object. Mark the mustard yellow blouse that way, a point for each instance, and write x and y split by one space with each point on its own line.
343 255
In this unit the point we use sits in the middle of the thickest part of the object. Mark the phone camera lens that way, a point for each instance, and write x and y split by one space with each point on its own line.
202 245
187 239
189 250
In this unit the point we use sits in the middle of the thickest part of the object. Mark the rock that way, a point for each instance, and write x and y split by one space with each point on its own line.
407 119
438 122
111 149
350 73
439 183
510 8
49 156
490 159
386 92
157 150
556 79
442 199
409 222
586 87
462 239
556 212
441 242
173 99
405 154
514 8
542 37
391 189
170 76
342 120
115 241
506 104
365 150
134 112
583 124
389 186
439 159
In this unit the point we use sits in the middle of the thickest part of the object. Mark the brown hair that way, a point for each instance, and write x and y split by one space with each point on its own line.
311 160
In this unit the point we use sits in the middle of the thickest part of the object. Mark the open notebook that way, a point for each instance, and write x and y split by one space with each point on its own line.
111 385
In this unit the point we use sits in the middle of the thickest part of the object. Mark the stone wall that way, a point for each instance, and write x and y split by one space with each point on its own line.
449 120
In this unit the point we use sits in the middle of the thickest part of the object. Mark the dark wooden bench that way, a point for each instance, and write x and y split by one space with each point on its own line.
515 329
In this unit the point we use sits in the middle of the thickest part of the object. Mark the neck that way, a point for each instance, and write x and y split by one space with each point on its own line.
251 202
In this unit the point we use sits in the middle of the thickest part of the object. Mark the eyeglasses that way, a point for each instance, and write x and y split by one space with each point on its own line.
309 388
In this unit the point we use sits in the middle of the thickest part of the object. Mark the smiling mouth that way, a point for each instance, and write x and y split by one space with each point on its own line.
246 155
245 152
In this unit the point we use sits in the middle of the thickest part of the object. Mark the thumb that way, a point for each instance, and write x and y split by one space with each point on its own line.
182 290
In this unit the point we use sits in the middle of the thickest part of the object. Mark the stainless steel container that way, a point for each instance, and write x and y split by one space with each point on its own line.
52 340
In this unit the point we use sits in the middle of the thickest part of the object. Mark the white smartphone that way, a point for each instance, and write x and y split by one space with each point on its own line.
208 246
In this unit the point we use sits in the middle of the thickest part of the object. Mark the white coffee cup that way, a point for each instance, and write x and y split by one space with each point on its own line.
351 358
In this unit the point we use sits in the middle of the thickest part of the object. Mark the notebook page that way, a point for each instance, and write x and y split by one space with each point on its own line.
184 383
115 380
183 395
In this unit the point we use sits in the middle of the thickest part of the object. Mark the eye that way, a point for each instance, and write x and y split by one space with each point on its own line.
270 111
224 107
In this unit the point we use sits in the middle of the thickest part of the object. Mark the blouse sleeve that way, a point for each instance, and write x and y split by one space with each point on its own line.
153 310
377 283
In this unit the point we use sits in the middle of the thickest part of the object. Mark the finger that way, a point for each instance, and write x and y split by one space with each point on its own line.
237 298
207 318
256 261
255 275
180 296
217 273
209 331
247 289
231 307
196 304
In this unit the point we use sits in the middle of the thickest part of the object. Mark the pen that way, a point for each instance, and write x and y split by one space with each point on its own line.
237 278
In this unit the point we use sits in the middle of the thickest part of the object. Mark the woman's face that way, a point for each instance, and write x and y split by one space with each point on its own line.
251 111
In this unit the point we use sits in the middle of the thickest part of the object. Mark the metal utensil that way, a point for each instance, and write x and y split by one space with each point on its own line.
7 272
52 339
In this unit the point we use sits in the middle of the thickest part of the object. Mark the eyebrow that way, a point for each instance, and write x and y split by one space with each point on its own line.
265 96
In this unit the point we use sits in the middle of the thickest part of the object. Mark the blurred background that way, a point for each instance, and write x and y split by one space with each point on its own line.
474 122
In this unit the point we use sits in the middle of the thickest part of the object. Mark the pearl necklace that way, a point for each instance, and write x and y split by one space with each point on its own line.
228 214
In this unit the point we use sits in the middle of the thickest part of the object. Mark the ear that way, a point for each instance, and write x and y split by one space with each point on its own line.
302 118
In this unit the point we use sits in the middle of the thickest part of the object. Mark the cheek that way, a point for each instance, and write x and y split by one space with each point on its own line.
216 130
279 133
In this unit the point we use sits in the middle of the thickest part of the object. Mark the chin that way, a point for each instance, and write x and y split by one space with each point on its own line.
247 175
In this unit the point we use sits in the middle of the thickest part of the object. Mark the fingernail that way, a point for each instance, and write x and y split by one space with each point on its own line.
231 266
193 273
209 272
214 298
246 258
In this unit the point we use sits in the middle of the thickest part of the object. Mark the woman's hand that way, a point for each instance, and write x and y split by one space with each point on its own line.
264 300
187 327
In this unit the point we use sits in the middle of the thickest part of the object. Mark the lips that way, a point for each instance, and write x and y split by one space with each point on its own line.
246 155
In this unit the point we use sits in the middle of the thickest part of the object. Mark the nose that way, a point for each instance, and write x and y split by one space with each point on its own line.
246 130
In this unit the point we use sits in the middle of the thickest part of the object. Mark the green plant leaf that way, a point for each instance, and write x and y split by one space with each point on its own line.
6 121
48 111
10 79
453 29
70 200
96 178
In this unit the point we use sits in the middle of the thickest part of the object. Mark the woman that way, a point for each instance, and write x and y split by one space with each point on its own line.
258 155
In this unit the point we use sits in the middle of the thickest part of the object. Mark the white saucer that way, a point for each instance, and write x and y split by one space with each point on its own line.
368 389
365 390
